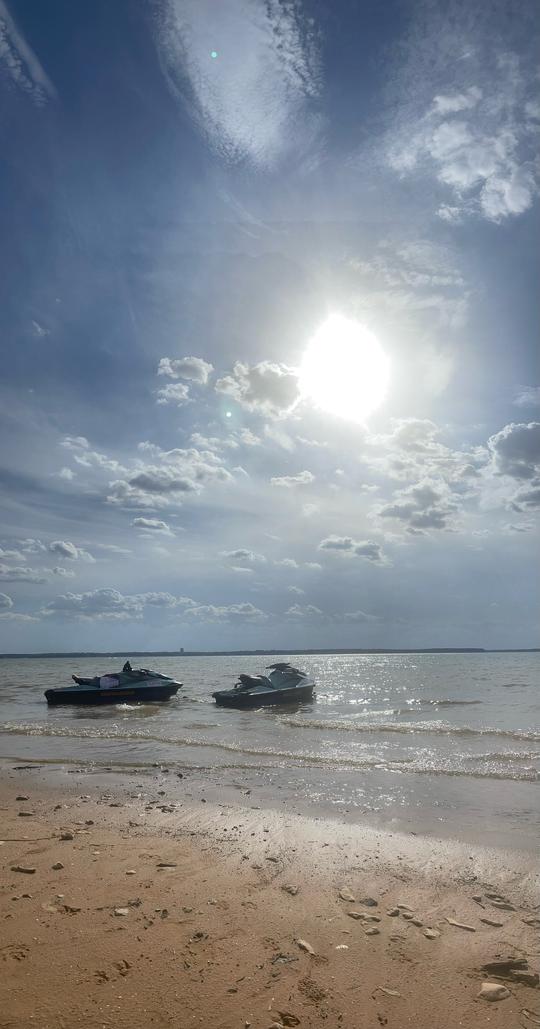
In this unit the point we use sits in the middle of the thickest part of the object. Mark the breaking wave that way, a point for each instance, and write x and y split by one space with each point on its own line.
437 728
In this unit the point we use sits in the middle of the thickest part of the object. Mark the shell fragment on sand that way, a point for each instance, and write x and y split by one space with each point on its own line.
304 945
26 869
461 925
346 894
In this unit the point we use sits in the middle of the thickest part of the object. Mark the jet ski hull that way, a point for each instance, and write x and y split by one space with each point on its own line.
246 699
115 695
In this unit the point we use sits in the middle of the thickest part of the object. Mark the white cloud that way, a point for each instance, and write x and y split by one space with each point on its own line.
528 396
296 590
20 63
267 388
173 393
357 616
66 473
66 549
195 369
65 573
515 450
21 574
151 526
479 142
425 505
253 100
5 602
110 604
300 479
243 558
368 549
234 613
179 472
304 611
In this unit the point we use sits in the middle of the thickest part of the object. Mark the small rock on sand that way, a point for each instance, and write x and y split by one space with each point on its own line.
527 978
408 915
290 888
372 931
272 857
131 871
369 902
493 991
417 922
57 866
304 945
26 814
431 934
393 913
504 967
346 894
491 921
67 836
461 925
22 797
27 869
121 912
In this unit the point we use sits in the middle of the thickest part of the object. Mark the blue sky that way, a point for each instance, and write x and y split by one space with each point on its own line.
190 190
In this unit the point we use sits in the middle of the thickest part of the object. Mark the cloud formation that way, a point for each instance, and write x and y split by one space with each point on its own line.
247 71
368 549
20 64
195 369
289 481
234 613
267 388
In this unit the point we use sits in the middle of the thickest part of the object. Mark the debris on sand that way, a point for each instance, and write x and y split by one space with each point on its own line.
505 967
22 797
26 814
387 991
527 978
431 934
493 991
369 902
346 894
27 869
491 921
372 931
304 945
57 866
461 925
67 836
121 912
393 913
290 888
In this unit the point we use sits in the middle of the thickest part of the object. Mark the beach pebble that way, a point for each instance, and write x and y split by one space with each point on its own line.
408 915
272 857
491 921
27 869
341 946
393 913
22 797
346 894
131 871
70 909
26 814
372 931
121 912
369 902
290 888
503 905
431 934
166 864
461 925
304 945
288 1019
493 991
355 914
57 866
66 836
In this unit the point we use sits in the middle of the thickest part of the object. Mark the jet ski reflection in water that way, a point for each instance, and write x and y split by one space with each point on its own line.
283 684
132 685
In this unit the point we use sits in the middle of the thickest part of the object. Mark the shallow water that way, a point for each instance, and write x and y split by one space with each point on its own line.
444 743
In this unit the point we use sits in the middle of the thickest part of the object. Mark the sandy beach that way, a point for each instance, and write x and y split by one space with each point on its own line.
139 902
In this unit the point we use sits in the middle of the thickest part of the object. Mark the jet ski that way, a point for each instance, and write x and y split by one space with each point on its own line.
282 685
130 686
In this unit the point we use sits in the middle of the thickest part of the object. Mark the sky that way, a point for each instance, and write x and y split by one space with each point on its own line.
269 324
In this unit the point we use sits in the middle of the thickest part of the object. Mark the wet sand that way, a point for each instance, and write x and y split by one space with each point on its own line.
169 909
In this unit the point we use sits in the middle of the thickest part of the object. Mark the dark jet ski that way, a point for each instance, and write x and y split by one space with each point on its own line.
282 685
130 686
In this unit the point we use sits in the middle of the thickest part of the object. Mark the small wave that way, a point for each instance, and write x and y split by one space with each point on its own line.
410 765
452 703
437 728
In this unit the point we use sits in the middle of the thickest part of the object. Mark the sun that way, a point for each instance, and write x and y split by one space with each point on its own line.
344 369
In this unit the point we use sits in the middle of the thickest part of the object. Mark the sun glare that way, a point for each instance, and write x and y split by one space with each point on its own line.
344 369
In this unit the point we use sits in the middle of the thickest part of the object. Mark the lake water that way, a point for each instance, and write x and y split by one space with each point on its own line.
447 744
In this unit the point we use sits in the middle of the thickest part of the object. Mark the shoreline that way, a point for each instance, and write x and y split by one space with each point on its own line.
212 938
298 652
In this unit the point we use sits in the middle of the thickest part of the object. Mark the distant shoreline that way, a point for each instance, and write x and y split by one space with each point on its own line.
273 653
